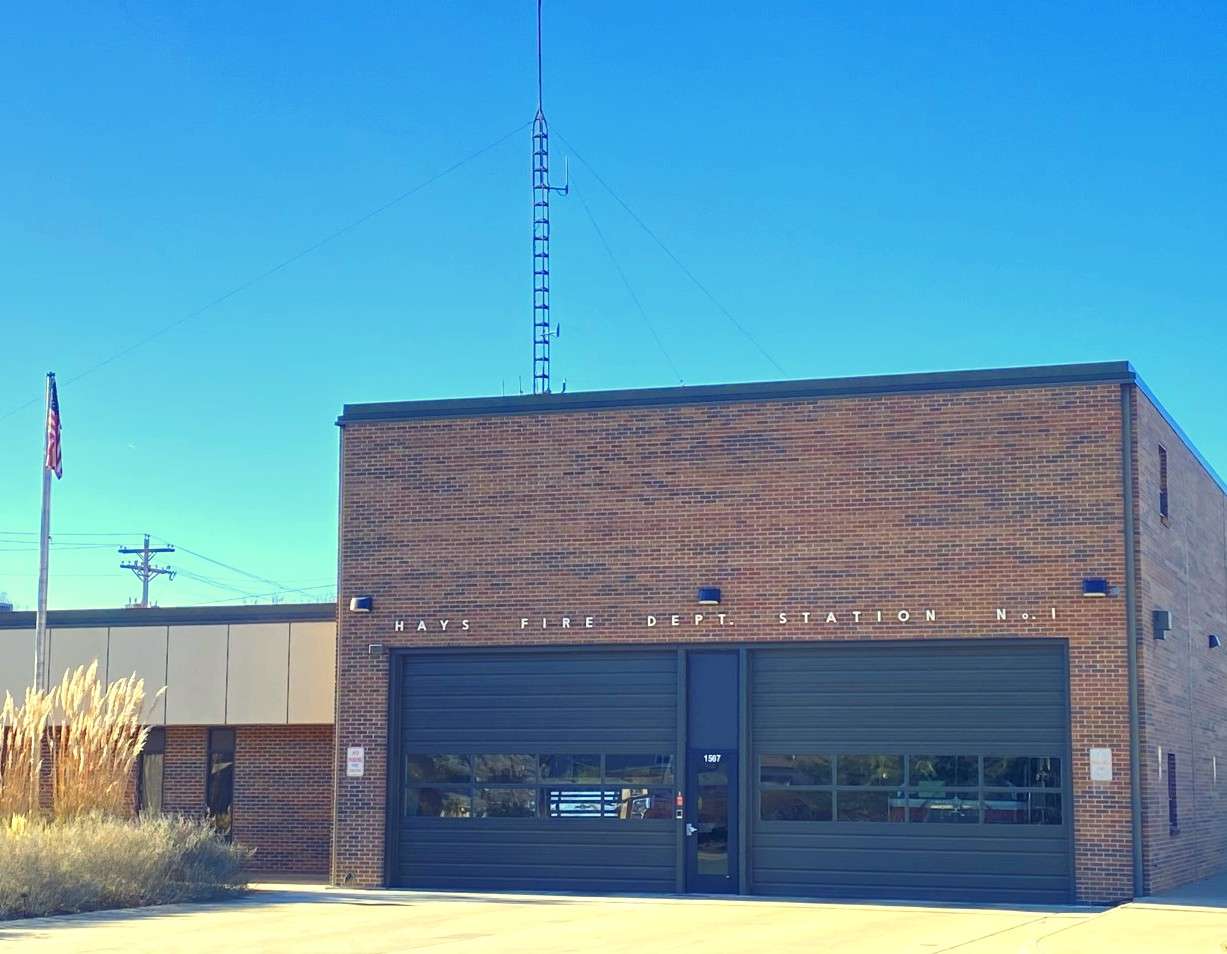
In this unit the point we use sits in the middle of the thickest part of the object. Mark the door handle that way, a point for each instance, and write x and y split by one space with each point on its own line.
690 829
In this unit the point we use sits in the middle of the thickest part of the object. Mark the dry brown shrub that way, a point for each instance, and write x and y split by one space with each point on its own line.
94 737
22 729
91 861
95 744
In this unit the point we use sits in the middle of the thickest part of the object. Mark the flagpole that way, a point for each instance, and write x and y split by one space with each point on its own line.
44 547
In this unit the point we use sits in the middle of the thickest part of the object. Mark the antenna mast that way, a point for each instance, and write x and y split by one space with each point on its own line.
544 331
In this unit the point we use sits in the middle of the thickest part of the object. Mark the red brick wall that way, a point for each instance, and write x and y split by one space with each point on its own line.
960 501
183 769
1183 568
282 790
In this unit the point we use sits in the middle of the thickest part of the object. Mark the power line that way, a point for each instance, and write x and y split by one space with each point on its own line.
31 547
308 589
281 587
216 584
20 546
280 266
676 261
75 533
626 281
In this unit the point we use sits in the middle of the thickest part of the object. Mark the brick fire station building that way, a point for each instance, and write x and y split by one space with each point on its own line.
935 636
947 636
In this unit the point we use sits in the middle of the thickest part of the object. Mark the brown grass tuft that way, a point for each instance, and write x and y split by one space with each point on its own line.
22 729
94 736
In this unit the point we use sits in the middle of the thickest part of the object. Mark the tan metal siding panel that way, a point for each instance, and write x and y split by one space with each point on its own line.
76 646
313 663
141 650
257 674
16 662
196 675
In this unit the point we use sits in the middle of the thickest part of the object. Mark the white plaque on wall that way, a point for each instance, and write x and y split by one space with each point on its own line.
1101 765
355 761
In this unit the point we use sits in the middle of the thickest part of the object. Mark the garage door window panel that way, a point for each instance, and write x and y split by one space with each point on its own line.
639 769
859 770
943 789
570 768
1022 808
505 803
944 771
795 770
437 768
869 788
958 807
645 804
505 768
797 805
432 802
1022 772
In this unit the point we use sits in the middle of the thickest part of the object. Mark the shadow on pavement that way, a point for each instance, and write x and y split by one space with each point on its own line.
1208 893
32 928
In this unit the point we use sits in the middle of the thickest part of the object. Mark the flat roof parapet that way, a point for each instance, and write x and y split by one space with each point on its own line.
177 615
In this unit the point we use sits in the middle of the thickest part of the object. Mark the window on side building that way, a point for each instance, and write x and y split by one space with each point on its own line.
1173 810
1163 498
219 784
149 772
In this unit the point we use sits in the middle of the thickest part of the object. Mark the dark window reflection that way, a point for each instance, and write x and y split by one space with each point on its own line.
1006 771
1022 772
149 776
571 768
559 802
951 771
437 803
437 768
645 769
870 769
795 770
505 803
853 806
785 805
1046 773
625 803
219 787
1022 808
1045 808
638 804
505 768
950 808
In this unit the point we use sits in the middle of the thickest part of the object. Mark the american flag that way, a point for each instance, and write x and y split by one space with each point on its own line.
55 461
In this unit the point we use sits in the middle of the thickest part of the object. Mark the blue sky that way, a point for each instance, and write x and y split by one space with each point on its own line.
914 187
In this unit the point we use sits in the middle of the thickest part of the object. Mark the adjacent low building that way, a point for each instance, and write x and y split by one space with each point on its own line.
244 729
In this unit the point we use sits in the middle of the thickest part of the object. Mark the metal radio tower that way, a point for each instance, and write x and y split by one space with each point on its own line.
144 568
544 331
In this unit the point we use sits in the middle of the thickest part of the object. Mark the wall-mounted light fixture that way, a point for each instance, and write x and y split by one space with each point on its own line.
1162 623
709 596
361 604
1095 586
1214 641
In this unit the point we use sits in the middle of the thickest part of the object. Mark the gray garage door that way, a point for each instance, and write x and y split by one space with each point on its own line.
912 771
549 771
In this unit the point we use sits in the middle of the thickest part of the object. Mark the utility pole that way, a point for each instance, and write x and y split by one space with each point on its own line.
144 568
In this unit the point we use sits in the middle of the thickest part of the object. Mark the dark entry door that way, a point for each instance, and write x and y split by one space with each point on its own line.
711 822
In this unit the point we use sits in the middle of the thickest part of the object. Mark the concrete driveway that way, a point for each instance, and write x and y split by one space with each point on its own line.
301 919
